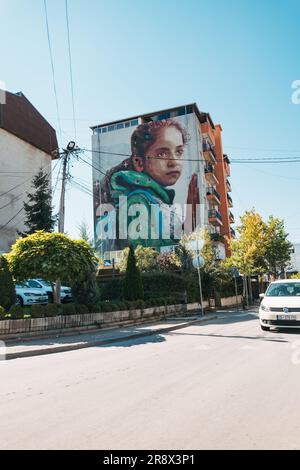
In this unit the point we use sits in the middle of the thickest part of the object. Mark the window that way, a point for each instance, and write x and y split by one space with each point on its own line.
34 284
163 116
127 124
104 129
111 128
134 122
120 125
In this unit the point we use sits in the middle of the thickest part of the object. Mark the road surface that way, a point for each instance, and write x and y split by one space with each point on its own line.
222 385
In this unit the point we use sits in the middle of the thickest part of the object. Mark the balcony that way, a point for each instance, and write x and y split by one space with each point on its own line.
210 174
214 217
228 185
231 217
217 237
232 233
213 196
229 199
208 152
226 165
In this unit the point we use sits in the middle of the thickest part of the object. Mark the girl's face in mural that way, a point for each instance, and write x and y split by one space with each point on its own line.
163 163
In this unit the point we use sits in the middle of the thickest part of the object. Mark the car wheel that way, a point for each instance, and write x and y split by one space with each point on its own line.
19 301
265 328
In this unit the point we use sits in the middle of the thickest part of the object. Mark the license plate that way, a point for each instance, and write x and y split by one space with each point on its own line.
286 317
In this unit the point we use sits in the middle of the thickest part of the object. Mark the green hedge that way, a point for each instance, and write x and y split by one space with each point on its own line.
156 285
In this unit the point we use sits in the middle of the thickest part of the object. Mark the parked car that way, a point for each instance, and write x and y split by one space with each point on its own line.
65 292
280 306
27 295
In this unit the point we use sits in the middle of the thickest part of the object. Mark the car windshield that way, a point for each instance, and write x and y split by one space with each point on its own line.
21 284
45 283
284 289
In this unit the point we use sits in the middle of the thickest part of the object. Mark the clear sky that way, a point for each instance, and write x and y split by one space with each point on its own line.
237 59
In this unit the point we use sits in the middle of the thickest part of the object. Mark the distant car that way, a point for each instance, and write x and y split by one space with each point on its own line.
27 295
280 306
65 291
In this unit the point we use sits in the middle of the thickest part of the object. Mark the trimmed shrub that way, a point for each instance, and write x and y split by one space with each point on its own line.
52 310
81 309
2 313
7 288
85 290
158 284
132 285
94 308
111 290
105 306
68 309
15 312
36 311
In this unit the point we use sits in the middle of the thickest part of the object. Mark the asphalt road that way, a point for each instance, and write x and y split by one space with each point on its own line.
222 385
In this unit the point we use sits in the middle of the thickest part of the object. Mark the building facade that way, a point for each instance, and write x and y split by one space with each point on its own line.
188 169
27 144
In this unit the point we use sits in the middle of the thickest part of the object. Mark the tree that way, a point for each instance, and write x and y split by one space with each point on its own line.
38 209
51 256
249 249
295 276
7 287
146 258
84 232
278 253
169 261
132 285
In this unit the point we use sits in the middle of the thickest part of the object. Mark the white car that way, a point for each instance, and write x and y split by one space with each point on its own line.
27 295
280 306
65 291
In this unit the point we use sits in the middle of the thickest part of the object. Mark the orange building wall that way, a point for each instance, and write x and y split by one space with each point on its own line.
221 187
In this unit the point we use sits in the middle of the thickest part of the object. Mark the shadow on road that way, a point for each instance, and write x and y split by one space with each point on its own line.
211 335
127 343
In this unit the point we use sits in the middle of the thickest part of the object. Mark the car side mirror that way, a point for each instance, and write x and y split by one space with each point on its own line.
261 296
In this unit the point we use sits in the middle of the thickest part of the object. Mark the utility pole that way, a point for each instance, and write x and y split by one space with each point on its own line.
61 216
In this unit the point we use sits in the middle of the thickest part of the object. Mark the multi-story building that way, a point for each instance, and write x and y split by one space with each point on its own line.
114 145
27 143
217 174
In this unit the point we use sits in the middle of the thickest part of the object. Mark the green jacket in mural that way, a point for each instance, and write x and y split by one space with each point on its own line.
141 189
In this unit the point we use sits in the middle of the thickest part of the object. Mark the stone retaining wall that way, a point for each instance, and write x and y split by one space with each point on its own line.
72 323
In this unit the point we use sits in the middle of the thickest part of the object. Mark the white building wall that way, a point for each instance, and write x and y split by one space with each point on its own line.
19 162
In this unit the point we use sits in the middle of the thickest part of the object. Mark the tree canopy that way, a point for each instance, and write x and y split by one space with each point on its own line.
51 256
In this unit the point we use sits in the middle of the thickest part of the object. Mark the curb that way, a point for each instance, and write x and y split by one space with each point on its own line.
102 342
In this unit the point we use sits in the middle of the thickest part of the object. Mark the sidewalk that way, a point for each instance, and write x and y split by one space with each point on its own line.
36 347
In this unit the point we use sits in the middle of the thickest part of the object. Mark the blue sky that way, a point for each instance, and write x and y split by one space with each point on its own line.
236 59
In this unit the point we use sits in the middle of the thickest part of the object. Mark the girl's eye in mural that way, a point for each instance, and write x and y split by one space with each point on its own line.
179 152
163 154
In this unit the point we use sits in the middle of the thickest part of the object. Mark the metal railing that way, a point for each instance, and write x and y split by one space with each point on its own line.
213 192
213 213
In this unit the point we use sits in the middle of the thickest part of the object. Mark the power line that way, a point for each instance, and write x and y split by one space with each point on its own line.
52 68
232 160
28 179
5 225
93 166
70 66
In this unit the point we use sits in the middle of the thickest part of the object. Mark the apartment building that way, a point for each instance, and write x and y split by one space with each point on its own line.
199 140
27 143
217 173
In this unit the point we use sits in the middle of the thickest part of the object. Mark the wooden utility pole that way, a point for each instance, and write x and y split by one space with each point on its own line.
61 216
